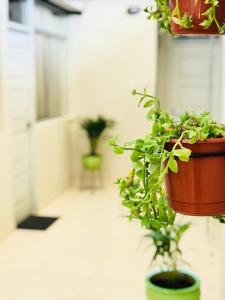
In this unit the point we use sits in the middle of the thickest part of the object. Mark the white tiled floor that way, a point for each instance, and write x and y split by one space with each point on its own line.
93 253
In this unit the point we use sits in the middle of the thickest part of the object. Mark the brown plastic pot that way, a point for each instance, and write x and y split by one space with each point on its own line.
196 10
198 189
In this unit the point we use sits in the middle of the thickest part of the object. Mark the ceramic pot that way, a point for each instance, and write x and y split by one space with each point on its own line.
155 292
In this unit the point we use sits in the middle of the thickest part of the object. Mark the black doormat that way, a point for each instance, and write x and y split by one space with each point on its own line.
36 223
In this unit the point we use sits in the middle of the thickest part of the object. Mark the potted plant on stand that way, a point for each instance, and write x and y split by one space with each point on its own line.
170 283
182 17
94 129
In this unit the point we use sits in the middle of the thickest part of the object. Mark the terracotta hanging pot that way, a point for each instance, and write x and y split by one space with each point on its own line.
196 9
198 188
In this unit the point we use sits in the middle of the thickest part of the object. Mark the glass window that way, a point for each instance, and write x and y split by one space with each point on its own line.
51 76
18 11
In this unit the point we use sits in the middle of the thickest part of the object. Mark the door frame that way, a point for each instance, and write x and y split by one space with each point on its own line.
27 30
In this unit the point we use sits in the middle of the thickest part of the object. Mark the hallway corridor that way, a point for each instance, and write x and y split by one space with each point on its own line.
91 253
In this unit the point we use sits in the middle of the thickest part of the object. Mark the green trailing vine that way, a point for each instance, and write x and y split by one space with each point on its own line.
142 191
162 12
184 21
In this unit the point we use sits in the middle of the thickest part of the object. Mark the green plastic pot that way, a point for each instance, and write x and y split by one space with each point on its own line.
155 292
92 162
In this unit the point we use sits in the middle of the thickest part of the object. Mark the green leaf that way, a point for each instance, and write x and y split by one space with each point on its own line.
176 21
182 152
206 23
149 103
134 92
118 150
208 12
173 165
156 128
162 214
191 134
203 136
135 156
181 230
153 199
155 224
184 158
112 141
193 140
139 173
151 114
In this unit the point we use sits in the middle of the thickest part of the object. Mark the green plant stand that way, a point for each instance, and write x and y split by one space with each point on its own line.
91 176
157 293
92 162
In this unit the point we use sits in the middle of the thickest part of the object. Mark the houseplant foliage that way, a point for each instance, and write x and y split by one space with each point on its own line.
189 17
143 191
170 283
94 129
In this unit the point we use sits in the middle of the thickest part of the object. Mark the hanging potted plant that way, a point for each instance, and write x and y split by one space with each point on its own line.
170 283
188 154
192 17
94 129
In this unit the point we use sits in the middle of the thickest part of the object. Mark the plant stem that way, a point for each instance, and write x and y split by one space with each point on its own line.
128 148
177 8
93 145
214 17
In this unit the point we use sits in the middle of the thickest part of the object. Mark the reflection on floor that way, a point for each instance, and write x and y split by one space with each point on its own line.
93 253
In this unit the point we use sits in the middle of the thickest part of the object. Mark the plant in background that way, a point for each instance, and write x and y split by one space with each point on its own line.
94 129
189 17
160 155
169 283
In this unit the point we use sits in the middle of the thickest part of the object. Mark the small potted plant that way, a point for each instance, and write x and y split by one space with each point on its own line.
182 17
94 129
170 283
187 154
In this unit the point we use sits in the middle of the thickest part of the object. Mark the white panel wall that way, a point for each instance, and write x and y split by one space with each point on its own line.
189 74
53 160
6 206
111 53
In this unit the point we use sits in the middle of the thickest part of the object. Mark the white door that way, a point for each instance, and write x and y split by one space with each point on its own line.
20 100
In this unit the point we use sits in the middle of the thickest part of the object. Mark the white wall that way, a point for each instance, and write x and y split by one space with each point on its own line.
6 199
182 87
111 53
53 160
52 157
